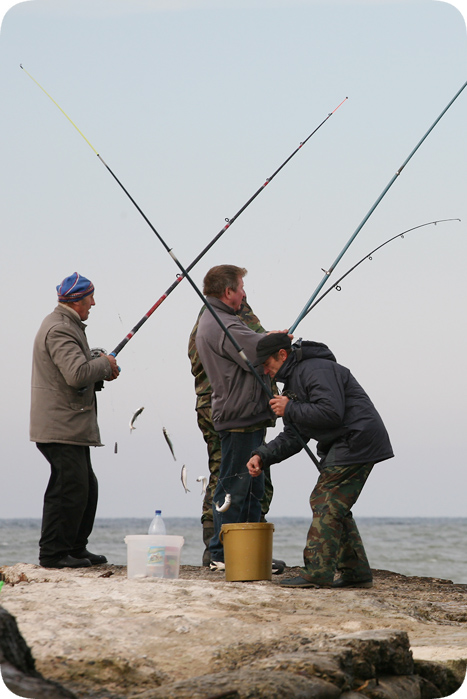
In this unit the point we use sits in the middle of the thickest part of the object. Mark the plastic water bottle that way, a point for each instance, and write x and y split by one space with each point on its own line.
156 552
157 525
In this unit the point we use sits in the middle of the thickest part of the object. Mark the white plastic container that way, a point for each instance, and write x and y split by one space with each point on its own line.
145 553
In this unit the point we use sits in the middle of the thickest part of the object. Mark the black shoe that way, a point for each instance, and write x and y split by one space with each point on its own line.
340 583
298 582
68 562
95 558
278 567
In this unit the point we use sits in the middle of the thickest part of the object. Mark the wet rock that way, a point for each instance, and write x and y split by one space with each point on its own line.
331 666
18 666
407 687
378 652
247 684
442 677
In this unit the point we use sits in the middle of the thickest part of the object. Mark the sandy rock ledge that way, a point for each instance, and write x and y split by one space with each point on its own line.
94 634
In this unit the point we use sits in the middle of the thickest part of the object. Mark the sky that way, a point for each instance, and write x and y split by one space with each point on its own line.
193 105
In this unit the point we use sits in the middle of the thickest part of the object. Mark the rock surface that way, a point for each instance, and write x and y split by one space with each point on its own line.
100 635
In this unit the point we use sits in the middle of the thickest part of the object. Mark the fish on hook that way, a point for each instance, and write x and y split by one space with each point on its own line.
169 442
183 477
133 419
226 505
204 481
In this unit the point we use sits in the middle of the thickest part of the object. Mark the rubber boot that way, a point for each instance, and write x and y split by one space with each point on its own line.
208 533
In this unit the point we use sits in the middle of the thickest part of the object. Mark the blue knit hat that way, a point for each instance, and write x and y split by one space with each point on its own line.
74 288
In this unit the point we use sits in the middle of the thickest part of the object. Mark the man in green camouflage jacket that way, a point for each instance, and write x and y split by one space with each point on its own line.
203 392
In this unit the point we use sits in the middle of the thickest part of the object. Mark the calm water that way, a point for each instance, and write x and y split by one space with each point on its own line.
434 547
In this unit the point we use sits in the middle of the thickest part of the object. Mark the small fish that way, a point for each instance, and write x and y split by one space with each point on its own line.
116 448
133 419
226 504
204 481
107 574
183 477
167 439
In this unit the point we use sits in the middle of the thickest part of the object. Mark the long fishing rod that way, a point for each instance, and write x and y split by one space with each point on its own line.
184 273
328 272
368 256
229 221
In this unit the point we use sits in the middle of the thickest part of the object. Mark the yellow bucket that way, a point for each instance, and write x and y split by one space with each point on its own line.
247 550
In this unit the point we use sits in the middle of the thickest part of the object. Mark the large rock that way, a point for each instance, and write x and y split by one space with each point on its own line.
100 634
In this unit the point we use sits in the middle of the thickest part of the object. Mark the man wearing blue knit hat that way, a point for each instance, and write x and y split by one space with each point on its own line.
64 424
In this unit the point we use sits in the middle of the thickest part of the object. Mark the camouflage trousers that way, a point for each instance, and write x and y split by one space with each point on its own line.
333 541
213 443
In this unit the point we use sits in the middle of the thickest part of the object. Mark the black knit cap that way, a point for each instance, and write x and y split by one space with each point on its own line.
270 344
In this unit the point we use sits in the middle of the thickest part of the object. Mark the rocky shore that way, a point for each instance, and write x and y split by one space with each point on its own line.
92 633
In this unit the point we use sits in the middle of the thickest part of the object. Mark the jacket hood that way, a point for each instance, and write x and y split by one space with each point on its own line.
308 349
301 350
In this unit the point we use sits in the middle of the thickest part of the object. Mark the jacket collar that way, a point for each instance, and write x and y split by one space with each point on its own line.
286 368
219 305
71 313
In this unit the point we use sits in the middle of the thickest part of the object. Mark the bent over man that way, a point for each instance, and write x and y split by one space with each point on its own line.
324 402
64 424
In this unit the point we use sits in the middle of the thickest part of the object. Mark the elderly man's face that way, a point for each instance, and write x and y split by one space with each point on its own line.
235 298
84 306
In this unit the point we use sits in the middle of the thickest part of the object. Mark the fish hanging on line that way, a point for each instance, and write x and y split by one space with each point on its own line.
183 477
133 419
203 480
226 505
116 448
169 442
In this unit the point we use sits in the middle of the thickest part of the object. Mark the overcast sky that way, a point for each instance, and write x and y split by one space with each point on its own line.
193 105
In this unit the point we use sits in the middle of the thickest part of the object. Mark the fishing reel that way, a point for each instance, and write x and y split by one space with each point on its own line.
95 354
97 351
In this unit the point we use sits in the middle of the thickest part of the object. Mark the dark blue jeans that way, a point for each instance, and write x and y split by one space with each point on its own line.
245 492
70 501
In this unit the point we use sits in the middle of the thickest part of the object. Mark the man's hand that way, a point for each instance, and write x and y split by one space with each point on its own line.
114 366
254 466
278 404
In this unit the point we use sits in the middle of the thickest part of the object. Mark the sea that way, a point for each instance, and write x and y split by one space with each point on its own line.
433 547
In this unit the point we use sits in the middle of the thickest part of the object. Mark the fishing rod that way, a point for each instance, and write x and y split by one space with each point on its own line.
185 274
329 271
368 256
229 221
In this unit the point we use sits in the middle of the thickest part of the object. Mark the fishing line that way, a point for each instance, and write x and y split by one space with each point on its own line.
336 286
329 271
229 221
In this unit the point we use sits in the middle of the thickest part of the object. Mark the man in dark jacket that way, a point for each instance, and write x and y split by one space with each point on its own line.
324 402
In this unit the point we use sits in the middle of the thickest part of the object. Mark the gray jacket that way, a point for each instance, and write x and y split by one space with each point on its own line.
237 397
63 403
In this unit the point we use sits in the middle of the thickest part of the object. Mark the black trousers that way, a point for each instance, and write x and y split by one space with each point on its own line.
70 501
